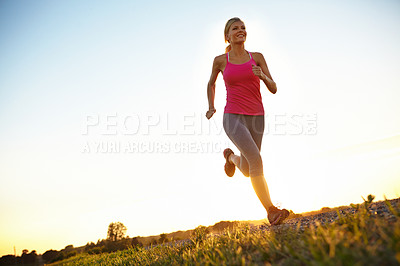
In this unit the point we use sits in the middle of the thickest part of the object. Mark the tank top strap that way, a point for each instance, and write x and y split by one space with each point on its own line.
227 56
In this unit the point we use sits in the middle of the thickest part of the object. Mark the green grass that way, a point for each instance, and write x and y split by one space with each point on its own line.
362 238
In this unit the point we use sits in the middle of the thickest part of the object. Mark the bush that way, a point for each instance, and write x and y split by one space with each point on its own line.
49 255
96 250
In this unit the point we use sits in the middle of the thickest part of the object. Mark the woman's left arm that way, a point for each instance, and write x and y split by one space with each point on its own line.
261 71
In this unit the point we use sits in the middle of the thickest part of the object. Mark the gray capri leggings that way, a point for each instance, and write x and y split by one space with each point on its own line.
246 132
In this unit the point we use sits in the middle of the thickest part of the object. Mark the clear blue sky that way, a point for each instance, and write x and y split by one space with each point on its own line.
64 61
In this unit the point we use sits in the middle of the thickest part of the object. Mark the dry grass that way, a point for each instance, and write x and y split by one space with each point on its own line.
363 238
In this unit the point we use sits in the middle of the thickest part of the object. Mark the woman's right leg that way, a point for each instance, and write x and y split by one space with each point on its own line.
255 124
241 163
234 125
236 129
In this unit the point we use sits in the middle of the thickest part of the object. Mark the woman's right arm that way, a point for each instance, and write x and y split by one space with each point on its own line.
216 68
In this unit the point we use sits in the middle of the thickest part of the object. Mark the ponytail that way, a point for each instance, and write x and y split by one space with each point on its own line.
228 48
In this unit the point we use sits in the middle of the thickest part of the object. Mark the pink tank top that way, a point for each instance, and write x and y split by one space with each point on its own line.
242 89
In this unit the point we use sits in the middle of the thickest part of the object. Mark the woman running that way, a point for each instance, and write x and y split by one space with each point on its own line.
243 118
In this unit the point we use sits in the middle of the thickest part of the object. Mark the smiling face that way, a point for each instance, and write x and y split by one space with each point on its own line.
237 33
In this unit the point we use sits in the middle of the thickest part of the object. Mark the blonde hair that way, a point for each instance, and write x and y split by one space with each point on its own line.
227 27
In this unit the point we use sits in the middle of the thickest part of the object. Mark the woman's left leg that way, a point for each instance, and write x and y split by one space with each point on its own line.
255 124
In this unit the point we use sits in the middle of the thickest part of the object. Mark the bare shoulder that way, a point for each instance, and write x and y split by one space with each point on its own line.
220 61
258 56
220 58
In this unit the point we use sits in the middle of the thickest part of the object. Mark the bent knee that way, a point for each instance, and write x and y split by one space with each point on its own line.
256 166
245 171
255 161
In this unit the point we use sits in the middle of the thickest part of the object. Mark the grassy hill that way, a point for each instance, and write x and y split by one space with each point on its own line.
183 235
364 234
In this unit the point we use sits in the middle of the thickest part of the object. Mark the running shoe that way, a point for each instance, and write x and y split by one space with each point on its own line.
276 216
229 167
